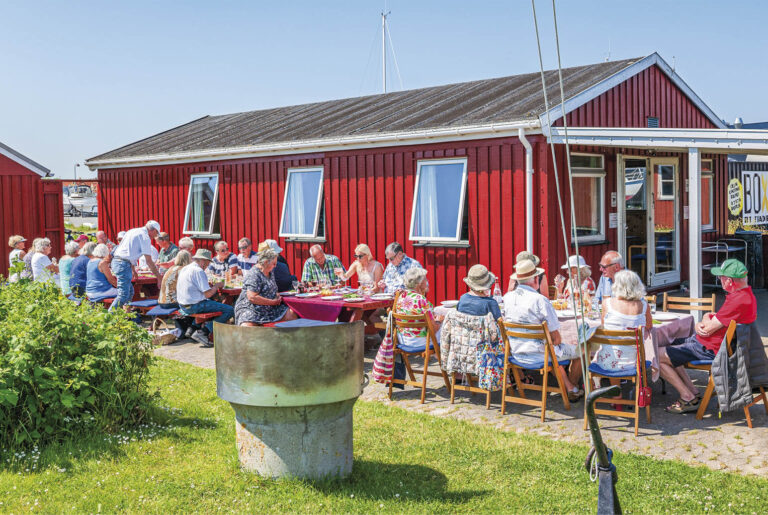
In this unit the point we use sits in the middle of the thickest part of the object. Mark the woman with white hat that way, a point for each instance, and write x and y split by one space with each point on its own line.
580 277
477 301
17 254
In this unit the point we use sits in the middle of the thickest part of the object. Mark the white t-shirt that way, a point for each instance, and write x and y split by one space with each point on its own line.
524 305
191 285
153 253
39 271
135 244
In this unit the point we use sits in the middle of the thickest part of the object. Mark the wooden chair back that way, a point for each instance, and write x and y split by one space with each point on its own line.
528 331
618 337
689 303
552 293
650 299
418 322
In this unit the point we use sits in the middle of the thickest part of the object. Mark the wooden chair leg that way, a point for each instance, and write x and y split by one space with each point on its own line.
424 375
749 417
637 404
705 400
765 399
504 388
563 393
545 382
453 385
408 367
518 381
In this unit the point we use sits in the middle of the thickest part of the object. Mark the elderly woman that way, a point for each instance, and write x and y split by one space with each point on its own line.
16 243
65 266
167 298
43 269
580 277
259 303
478 301
78 274
543 285
368 270
100 283
414 302
27 272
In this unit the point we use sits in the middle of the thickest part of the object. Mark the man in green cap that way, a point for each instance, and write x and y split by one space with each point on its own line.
740 305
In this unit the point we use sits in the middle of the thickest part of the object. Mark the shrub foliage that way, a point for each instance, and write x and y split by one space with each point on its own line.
64 368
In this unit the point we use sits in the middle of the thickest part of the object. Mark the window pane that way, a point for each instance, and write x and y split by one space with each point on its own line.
438 201
587 162
588 209
201 198
634 187
301 202
706 200
706 166
668 188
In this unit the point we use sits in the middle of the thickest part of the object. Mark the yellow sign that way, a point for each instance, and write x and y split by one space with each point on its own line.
735 197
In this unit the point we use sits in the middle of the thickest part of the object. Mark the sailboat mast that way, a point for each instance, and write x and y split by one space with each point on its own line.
384 51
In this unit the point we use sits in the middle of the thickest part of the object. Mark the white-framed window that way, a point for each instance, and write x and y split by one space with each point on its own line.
438 202
202 213
589 197
302 204
666 182
707 194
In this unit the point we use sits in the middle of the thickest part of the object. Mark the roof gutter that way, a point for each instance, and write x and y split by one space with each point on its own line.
528 189
469 132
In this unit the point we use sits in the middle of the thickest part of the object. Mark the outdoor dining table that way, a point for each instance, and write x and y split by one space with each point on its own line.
679 325
144 287
316 308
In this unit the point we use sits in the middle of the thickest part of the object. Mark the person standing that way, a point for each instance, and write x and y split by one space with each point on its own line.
17 254
136 243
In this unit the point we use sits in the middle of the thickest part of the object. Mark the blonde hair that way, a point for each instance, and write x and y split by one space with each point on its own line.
183 258
14 240
363 249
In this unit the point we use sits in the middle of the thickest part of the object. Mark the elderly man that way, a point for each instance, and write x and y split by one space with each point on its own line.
610 263
136 243
398 265
82 240
740 305
188 244
167 252
101 237
321 265
193 293
224 260
525 305
247 257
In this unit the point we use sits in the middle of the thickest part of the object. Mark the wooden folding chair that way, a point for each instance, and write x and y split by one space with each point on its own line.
469 387
689 303
651 300
549 364
430 349
707 365
624 339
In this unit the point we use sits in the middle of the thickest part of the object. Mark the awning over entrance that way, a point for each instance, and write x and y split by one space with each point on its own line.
694 142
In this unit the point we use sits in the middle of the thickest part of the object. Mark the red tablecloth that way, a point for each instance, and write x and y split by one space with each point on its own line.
329 310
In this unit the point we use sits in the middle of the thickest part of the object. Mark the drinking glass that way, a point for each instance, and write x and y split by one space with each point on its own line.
295 285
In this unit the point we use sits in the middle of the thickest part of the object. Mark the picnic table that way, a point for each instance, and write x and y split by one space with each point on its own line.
316 308
144 287
674 325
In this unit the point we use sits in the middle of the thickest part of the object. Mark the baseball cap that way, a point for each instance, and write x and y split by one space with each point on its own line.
82 237
732 268
153 224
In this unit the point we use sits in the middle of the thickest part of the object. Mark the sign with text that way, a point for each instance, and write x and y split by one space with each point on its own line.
755 187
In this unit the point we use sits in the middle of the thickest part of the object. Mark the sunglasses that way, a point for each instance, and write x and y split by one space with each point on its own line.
360 256
243 248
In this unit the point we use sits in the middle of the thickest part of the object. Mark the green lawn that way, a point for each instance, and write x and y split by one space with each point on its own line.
186 460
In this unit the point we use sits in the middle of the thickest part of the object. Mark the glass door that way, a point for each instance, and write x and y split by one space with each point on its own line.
636 215
664 222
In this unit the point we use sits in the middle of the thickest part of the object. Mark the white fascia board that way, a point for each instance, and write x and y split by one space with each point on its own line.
731 141
611 82
470 132
26 163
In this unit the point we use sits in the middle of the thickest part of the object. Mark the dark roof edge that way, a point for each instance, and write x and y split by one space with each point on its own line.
24 161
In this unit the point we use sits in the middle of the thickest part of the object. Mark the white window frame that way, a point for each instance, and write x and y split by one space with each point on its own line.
462 200
660 188
598 173
710 174
215 210
318 205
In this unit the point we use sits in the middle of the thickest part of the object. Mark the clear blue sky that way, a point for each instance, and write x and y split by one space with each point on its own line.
78 78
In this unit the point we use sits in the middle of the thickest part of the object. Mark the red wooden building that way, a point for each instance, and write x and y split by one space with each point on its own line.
29 204
444 170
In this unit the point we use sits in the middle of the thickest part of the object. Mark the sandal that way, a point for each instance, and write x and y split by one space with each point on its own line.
680 406
575 396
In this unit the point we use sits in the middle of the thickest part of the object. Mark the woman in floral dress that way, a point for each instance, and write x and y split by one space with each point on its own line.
414 302
259 303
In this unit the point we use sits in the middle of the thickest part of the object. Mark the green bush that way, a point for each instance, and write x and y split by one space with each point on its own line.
65 368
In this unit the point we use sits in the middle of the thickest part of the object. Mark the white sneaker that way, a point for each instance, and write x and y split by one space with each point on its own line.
176 332
200 337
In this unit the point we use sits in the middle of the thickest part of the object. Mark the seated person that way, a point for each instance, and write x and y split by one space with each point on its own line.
168 295
17 243
259 303
168 250
477 301
224 260
79 271
610 264
65 266
740 305
43 269
283 277
321 266
394 275
544 288
153 253
580 277
413 302
193 293
100 282
368 270
525 305
247 257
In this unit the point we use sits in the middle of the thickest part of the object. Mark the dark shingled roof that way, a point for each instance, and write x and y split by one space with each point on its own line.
482 102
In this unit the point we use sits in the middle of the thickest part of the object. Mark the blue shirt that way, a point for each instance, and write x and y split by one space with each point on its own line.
603 288
393 275
245 263
478 306
220 267
78 274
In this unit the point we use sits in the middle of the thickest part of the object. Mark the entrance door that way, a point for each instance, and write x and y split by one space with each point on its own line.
650 237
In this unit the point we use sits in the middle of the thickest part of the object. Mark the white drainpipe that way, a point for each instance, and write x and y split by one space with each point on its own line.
528 189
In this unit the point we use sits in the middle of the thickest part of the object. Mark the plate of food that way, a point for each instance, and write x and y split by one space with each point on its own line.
382 296
333 297
307 295
287 293
664 317
353 299
450 303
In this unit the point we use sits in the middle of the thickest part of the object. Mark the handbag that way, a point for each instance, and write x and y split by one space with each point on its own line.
644 396
383 363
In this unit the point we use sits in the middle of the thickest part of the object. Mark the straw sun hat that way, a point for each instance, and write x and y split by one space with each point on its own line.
479 278
525 269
